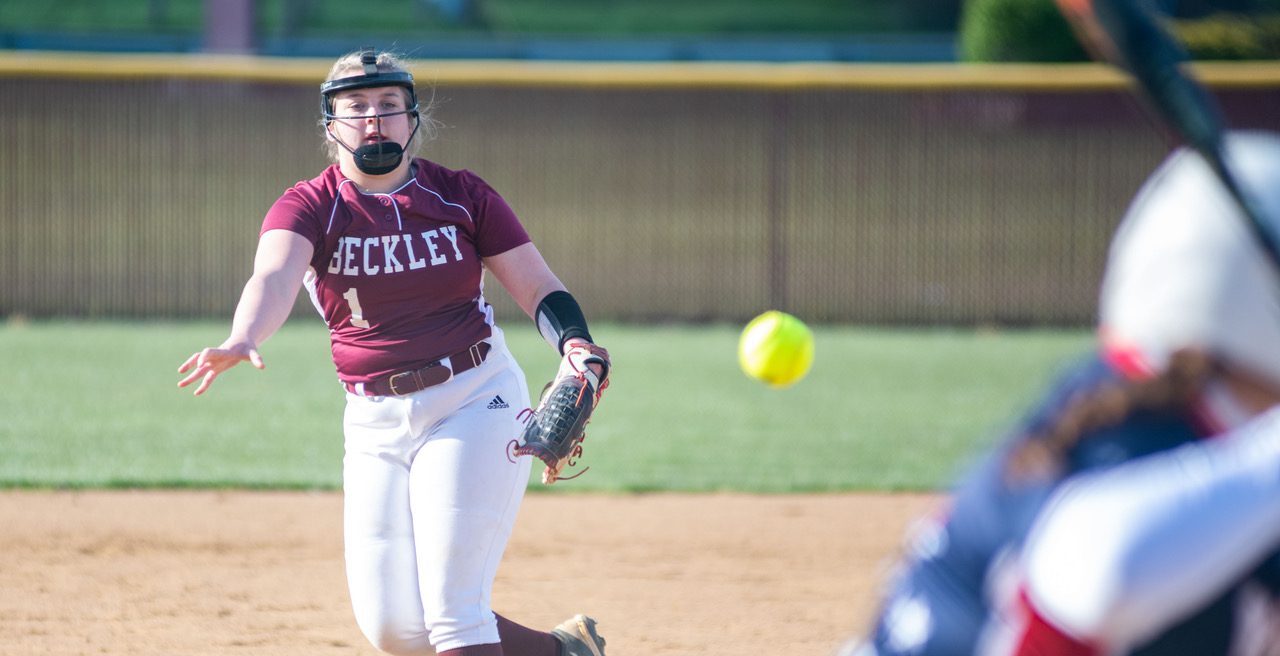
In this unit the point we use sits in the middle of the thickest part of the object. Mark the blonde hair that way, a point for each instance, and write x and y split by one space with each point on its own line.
349 64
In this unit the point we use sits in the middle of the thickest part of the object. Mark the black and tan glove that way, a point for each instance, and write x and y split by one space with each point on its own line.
554 431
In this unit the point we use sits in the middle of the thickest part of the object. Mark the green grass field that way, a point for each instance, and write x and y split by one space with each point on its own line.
96 405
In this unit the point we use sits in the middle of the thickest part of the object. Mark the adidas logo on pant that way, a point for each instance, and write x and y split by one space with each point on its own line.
497 404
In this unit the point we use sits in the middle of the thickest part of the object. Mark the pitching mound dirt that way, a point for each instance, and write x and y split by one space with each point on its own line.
195 573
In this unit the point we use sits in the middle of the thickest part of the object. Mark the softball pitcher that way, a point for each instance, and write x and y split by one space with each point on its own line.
392 250
1189 349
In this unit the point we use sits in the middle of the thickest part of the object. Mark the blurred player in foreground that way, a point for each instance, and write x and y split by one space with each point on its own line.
1188 349
1120 556
393 249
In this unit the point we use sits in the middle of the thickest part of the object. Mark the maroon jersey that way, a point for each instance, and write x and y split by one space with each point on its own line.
397 276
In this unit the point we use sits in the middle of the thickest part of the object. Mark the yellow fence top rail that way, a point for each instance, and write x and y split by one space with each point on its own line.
537 73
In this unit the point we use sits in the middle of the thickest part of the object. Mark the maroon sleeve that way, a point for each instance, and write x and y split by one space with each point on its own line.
296 212
498 230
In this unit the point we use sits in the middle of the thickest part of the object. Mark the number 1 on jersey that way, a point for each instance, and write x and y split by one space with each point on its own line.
357 315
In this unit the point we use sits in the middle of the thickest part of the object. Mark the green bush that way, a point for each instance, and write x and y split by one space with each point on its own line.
1017 30
1035 31
1230 36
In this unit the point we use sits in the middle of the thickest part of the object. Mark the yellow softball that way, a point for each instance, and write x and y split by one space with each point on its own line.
776 348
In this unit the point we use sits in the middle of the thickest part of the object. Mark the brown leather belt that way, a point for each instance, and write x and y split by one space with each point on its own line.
415 380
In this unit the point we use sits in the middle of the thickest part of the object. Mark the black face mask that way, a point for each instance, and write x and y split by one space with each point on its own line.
378 158
383 157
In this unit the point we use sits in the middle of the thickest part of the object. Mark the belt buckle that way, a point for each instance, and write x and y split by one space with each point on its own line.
476 358
391 382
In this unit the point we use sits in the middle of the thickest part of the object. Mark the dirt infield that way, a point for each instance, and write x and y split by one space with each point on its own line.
164 573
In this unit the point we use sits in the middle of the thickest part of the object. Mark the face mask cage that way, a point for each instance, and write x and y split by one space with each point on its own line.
382 157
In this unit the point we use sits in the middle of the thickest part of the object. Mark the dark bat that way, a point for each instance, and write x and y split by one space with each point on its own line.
1127 35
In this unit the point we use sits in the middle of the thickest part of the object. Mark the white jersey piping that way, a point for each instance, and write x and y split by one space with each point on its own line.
337 196
437 195
399 221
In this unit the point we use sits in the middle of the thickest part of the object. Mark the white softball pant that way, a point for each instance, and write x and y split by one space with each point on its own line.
430 500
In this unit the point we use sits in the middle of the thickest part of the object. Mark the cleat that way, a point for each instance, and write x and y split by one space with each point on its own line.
578 637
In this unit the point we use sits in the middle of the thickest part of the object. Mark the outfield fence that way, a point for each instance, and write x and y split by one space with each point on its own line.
133 186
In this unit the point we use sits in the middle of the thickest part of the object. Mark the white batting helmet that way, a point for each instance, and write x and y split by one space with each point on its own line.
1185 269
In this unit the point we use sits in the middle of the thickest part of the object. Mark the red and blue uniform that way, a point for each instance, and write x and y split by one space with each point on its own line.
941 598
